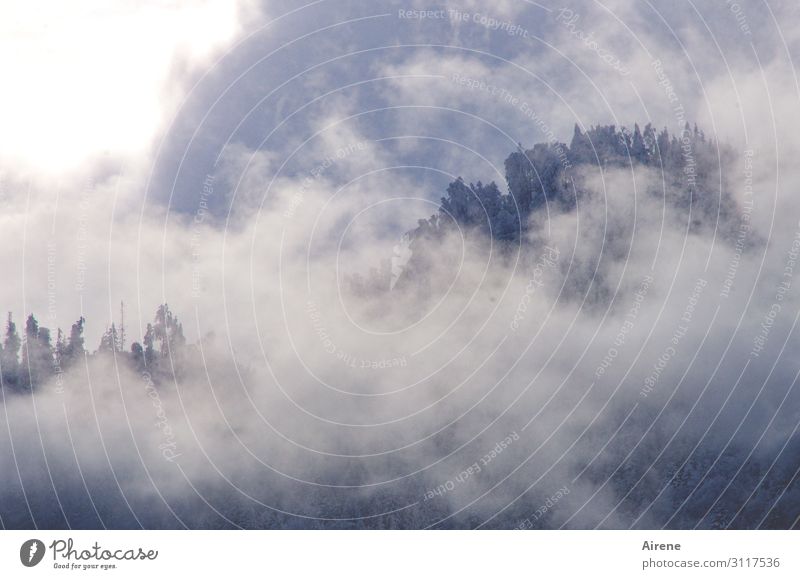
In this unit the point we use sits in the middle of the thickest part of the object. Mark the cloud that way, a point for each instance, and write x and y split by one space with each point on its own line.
627 350
98 79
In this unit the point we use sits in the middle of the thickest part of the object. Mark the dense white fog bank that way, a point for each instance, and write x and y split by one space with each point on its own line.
418 275
624 371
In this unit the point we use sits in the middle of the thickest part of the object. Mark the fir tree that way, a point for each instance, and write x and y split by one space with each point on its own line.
9 360
109 341
638 149
37 355
74 348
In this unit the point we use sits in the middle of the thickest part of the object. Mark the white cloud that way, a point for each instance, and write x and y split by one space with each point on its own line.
93 78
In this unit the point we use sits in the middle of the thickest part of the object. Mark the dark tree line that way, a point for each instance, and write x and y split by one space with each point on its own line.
27 361
692 168
543 174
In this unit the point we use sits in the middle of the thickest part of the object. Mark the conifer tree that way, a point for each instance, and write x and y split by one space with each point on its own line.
37 354
74 348
9 362
638 150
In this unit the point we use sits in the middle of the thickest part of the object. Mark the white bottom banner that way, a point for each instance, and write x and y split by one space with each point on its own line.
354 554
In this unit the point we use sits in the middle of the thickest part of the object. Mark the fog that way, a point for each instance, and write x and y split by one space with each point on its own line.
625 363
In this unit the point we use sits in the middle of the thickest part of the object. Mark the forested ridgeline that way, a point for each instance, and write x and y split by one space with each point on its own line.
30 358
689 175
545 174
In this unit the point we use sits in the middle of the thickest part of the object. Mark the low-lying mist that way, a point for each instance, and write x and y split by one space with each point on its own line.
625 359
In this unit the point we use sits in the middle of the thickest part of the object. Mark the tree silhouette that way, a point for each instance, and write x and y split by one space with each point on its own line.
109 342
9 361
74 349
37 354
